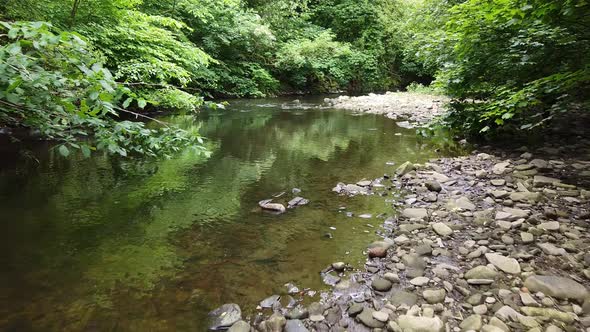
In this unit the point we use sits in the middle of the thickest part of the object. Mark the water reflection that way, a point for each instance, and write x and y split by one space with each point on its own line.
109 244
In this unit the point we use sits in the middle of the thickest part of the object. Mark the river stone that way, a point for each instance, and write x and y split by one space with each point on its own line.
295 325
506 264
498 182
225 316
377 252
433 186
405 168
528 300
270 301
275 323
433 296
550 314
267 205
549 226
559 287
526 237
464 203
480 281
400 297
442 229
355 309
415 213
420 324
381 316
530 197
391 276
366 318
492 328
419 281
512 214
506 313
540 181
551 249
500 168
381 284
471 323
240 326
481 272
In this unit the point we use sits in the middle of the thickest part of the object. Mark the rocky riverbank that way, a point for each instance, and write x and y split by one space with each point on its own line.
413 109
493 242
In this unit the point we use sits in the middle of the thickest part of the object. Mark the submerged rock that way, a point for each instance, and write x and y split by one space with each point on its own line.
224 316
268 205
297 201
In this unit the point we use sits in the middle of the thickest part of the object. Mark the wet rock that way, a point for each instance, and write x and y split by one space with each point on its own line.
329 279
268 205
506 264
295 325
224 316
420 324
291 288
297 201
559 287
338 266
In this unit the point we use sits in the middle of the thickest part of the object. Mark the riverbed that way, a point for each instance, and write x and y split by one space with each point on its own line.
106 244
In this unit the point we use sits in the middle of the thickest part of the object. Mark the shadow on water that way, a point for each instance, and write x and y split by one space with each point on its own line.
102 244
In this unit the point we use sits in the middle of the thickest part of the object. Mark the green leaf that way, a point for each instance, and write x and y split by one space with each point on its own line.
63 150
141 103
127 102
85 151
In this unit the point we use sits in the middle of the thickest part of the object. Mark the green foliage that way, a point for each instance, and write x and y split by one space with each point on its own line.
319 64
514 63
420 88
53 84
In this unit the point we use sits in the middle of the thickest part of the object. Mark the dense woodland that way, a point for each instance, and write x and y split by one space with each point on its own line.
76 69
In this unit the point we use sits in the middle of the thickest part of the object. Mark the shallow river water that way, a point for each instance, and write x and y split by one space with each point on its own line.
104 244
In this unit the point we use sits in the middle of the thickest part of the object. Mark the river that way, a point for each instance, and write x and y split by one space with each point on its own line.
105 244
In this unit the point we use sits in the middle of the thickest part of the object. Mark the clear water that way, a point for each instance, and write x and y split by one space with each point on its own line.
104 244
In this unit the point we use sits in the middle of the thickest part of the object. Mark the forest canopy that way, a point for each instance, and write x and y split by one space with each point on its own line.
75 69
